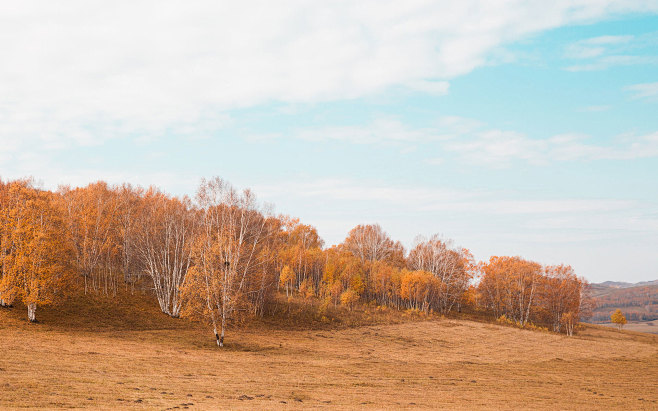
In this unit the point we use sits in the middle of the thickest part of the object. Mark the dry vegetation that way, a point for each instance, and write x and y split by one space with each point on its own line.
132 356
639 326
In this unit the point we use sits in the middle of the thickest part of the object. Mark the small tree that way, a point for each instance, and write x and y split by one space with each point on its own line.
306 289
349 297
618 318
286 278
569 321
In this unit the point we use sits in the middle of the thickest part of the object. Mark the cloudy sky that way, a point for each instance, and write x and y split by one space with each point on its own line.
513 127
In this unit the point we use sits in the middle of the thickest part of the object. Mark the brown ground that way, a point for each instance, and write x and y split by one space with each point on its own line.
150 361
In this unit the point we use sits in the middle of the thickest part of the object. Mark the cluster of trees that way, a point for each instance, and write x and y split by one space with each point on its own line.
525 291
35 254
640 296
224 255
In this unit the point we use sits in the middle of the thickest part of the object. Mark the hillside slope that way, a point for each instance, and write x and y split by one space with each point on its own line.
151 361
638 302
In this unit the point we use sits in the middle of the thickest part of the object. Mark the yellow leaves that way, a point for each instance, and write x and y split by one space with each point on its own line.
349 297
37 253
618 318
234 255
306 288
287 276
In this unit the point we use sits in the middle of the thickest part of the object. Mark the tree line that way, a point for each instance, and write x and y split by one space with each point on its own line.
223 255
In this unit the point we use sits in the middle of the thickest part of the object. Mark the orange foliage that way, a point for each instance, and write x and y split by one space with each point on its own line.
223 257
36 263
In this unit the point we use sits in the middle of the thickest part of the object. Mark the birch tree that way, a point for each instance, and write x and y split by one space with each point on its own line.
164 245
371 243
228 256
560 294
509 287
451 266
92 218
5 244
130 201
36 264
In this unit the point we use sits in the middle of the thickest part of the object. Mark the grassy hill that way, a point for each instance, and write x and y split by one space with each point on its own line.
93 353
638 302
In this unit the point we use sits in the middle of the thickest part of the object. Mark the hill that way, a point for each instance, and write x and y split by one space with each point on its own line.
638 302
621 284
96 354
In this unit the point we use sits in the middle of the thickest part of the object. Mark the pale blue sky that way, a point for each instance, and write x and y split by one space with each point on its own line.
515 128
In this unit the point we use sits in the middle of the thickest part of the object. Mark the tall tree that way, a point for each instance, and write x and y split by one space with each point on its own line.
509 286
36 267
228 255
164 245
451 266
371 243
131 199
92 219
560 293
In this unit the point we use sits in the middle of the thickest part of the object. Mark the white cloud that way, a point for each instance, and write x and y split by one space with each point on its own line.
383 130
432 199
82 72
594 47
499 148
500 217
600 53
644 90
615 60
473 142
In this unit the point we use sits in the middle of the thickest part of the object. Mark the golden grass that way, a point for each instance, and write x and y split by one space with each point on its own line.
135 357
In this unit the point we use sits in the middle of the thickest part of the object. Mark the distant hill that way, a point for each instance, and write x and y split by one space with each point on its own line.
638 301
621 284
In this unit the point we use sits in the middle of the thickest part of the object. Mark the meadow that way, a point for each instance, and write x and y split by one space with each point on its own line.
91 353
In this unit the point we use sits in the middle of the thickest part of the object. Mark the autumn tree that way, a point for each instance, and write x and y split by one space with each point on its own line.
229 254
386 281
307 289
452 267
92 217
508 286
286 278
301 251
164 245
37 257
371 243
5 242
618 318
560 293
343 271
569 321
130 201
348 298
420 289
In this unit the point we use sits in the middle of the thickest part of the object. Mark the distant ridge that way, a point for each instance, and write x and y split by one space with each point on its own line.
638 301
621 284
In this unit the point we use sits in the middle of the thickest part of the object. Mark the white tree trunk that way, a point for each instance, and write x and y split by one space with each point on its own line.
32 312
221 337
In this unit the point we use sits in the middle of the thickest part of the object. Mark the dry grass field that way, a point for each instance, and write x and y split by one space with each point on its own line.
141 359
640 326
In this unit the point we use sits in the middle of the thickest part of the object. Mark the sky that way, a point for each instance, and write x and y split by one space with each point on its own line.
523 128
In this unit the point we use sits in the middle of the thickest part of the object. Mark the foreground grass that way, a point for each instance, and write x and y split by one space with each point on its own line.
138 358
